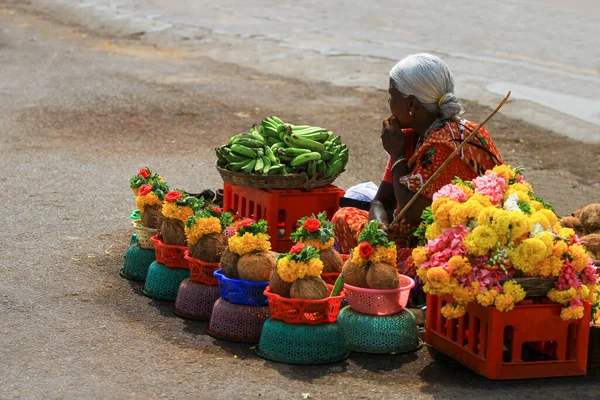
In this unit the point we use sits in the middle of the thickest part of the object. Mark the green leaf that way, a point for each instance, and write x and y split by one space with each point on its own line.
374 235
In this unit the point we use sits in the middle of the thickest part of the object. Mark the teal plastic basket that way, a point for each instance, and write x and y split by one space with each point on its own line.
301 343
379 334
163 282
195 300
137 261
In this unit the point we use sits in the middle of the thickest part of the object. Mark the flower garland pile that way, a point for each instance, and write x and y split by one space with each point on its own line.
482 233
179 205
301 262
151 194
250 236
206 222
143 177
314 231
374 247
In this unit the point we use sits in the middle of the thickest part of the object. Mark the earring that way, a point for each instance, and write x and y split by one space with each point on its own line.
410 113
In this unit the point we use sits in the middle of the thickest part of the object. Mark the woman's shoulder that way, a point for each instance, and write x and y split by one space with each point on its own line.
456 128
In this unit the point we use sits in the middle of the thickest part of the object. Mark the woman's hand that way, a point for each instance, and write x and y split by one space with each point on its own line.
392 137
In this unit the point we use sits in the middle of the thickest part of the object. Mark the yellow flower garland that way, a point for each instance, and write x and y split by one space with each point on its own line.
451 311
248 243
290 270
382 254
172 210
317 243
202 227
148 200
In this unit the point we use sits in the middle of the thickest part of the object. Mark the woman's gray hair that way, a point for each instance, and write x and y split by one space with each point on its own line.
428 78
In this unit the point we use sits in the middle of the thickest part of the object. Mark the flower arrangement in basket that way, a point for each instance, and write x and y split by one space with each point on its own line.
372 264
317 232
204 234
143 177
298 274
485 239
177 208
247 255
149 201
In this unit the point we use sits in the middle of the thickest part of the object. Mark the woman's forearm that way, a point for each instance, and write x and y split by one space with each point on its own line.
378 212
403 195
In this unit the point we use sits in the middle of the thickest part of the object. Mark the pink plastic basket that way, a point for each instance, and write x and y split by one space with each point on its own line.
379 302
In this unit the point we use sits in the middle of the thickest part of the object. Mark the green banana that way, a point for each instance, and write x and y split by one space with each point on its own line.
249 142
302 142
311 169
330 136
293 151
243 151
277 145
238 165
327 173
308 131
336 167
275 169
232 157
288 169
249 167
266 164
253 134
287 139
236 137
299 127
220 156
271 140
321 168
317 136
337 140
269 153
276 119
258 165
305 158
326 155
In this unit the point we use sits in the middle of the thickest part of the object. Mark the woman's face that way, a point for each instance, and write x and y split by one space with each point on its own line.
399 106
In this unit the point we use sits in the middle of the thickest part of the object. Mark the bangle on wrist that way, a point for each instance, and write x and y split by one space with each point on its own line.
398 161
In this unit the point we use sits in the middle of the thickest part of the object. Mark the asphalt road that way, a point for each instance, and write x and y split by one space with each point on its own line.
79 114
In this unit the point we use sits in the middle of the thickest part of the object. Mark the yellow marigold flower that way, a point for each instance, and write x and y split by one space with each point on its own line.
382 254
459 265
584 292
504 302
422 273
464 295
548 240
135 191
562 296
478 198
474 209
439 202
438 277
579 256
317 243
202 227
504 171
172 210
148 200
540 218
433 231
419 255
592 297
515 290
452 311
487 298
529 187
569 313
552 218
560 248
468 191
522 195
442 213
536 205
556 227
487 216
459 214
290 270
481 240
528 255
241 245
551 266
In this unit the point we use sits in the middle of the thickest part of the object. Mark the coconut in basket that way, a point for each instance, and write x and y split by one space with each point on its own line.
372 264
248 255
177 208
317 232
298 274
149 200
204 234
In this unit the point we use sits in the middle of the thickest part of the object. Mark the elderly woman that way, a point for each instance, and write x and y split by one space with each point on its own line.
423 130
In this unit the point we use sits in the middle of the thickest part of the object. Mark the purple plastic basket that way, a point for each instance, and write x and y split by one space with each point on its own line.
237 291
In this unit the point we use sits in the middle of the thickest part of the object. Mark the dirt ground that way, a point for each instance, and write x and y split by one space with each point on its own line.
79 114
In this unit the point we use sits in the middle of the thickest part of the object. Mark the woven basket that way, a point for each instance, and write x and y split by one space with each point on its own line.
534 286
291 181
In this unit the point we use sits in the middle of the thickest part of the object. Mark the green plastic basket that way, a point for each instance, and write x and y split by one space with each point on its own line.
163 282
137 261
379 334
301 343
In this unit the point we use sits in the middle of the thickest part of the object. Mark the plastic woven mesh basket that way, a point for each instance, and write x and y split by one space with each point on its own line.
137 261
144 235
201 271
380 302
162 282
302 344
236 322
195 300
237 291
301 311
171 256
379 334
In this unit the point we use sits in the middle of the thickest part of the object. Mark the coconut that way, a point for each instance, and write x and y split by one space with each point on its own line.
310 288
152 216
209 248
256 266
332 261
590 218
355 275
382 276
172 232
592 244
571 222
228 264
278 285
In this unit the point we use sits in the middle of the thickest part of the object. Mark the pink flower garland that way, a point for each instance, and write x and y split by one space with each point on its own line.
492 185
451 191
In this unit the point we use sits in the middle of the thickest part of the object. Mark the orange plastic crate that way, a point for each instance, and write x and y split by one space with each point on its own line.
281 208
530 341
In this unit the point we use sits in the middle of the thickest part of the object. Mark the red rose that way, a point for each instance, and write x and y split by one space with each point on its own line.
217 210
245 223
312 224
144 173
173 196
297 248
144 190
365 250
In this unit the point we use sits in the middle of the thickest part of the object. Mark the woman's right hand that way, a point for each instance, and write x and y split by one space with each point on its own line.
392 137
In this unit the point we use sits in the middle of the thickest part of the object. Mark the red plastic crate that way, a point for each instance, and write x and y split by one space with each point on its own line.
530 341
281 208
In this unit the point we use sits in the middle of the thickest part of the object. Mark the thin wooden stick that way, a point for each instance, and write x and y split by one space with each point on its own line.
450 157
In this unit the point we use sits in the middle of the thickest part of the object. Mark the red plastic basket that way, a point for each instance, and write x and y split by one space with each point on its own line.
380 302
281 208
169 255
530 341
301 311
331 277
201 271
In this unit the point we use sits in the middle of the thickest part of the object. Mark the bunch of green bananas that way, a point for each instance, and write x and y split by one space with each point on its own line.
277 148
